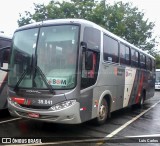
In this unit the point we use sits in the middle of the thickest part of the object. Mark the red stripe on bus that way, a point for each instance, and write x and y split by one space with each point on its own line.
29 102
139 89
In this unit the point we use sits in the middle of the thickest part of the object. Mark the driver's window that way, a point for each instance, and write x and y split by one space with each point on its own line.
92 37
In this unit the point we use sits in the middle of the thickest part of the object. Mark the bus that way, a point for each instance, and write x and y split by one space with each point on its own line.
72 70
5 41
157 83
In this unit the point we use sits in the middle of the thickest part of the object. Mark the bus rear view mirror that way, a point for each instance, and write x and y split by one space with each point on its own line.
88 60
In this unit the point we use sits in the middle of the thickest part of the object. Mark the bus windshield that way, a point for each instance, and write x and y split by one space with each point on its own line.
52 49
157 76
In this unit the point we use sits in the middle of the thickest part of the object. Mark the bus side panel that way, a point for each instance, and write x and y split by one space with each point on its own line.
86 100
150 79
112 79
143 81
3 90
137 88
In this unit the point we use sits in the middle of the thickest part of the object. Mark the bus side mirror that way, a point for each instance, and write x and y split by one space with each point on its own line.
88 56
4 57
84 46
88 60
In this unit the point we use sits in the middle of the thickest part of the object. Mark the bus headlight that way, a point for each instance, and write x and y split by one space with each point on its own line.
63 105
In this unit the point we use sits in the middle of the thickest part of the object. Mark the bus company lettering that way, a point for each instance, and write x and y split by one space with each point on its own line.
118 71
32 91
128 74
57 81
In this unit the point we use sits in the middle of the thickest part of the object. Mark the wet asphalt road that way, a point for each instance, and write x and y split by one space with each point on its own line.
146 125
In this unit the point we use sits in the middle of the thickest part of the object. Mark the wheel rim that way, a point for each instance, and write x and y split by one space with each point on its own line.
141 102
102 112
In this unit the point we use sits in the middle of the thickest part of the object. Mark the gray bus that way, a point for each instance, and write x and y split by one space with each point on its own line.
5 41
72 70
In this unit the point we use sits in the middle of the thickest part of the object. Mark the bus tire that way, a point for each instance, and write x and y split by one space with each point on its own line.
102 112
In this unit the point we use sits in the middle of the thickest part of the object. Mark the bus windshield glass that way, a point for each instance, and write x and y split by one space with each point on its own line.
157 76
51 51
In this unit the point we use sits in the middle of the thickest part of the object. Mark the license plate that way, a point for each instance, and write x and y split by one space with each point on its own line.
33 115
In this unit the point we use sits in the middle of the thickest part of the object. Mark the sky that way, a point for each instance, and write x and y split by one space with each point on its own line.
10 9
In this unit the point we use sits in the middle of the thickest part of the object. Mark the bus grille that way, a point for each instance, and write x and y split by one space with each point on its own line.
35 107
49 117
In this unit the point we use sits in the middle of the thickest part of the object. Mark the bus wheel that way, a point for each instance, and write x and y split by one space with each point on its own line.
103 113
141 102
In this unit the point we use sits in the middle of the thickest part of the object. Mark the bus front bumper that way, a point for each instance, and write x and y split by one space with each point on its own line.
69 115
157 87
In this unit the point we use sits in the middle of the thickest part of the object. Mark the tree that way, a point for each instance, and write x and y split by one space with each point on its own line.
127 22
157 56
122 19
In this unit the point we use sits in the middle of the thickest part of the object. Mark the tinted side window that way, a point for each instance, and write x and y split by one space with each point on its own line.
149 64
134 58
92 37
110 49
4 43
153 65
124 55
143 61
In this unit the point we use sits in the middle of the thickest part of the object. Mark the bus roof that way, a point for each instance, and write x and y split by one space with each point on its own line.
5 36
83 22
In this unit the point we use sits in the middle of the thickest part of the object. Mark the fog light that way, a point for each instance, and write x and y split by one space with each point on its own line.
63 105
11 101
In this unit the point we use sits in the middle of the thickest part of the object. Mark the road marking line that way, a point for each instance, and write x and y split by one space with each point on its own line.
131 121
2 122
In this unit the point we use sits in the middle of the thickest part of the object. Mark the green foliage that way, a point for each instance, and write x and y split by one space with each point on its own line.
157 56
122 19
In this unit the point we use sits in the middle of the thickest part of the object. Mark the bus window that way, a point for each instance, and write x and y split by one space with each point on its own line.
149 64
124 55
110 49
4 43
134 58
92 37
153 65
157 75
89 76
142 61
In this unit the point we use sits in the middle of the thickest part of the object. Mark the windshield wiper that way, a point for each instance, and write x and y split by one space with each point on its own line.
23 75
42 75
45 79
29 69
20 79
